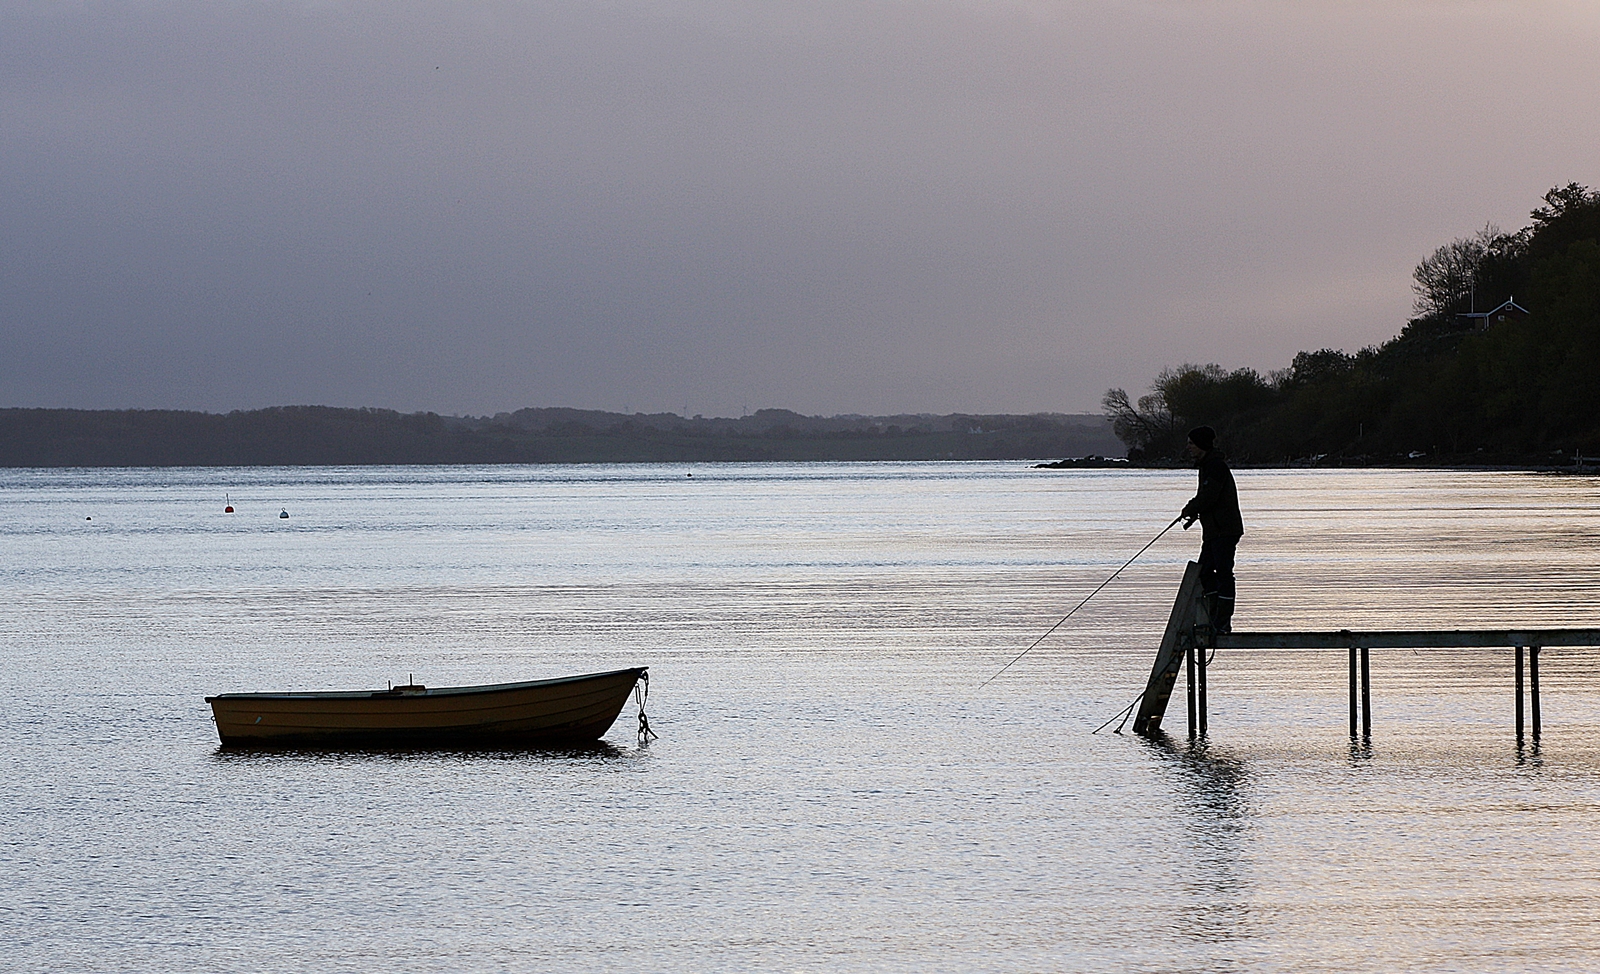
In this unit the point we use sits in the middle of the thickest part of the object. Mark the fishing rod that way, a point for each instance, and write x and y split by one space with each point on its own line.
1085 601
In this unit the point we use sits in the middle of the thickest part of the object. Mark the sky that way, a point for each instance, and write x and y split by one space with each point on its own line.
715 207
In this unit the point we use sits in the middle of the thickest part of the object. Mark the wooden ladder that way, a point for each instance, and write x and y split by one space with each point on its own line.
1187 612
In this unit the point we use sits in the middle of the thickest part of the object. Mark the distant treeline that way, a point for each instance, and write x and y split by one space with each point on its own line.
1501 364
320 435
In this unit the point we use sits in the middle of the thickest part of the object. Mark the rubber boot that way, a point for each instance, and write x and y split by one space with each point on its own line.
1222 614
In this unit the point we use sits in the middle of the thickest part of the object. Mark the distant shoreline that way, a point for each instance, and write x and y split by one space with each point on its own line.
328 436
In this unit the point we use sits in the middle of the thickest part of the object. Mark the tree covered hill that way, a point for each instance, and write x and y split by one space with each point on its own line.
293 435
1470 378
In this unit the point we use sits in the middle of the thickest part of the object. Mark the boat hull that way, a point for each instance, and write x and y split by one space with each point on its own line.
563 711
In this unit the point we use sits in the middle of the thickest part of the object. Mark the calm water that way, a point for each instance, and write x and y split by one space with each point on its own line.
831 790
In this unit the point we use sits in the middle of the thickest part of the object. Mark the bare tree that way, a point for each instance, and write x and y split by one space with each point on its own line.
1445 280
1147 426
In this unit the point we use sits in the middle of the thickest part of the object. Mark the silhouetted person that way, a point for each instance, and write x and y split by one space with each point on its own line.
1216 507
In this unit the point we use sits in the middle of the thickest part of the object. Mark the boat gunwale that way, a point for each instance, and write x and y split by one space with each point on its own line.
431 692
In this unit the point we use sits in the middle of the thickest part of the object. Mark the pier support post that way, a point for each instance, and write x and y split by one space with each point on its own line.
1200 653
1360 689
1533 687
1190 683
1353 708
1366 692
1519 693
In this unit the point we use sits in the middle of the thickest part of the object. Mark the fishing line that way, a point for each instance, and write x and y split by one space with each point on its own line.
1085 601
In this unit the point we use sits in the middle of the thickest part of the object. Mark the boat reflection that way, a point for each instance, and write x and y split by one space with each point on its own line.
586 751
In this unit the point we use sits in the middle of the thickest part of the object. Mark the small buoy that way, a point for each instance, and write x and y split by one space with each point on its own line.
88 519
228 509
283 514
227 500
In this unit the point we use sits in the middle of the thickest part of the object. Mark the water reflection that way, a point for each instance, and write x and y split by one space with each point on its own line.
806 812
1213 798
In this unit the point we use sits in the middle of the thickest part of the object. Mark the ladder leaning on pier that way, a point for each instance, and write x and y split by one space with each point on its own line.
1188 637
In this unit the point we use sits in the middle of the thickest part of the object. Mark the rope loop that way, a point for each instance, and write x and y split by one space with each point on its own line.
641 692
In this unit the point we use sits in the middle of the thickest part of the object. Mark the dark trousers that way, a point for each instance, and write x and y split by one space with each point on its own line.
1216 579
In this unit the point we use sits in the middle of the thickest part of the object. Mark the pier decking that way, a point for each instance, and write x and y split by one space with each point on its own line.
1188 638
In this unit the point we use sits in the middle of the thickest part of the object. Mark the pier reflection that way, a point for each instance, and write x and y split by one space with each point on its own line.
1213 812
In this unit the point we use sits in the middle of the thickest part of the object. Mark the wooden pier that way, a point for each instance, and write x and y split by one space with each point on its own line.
1188 639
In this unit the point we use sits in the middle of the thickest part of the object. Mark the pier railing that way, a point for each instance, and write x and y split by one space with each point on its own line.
1188 638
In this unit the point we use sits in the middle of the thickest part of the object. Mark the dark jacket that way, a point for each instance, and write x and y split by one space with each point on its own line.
1217 502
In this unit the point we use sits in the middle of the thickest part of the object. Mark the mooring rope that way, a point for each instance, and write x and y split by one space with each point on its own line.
641 691
1124 713
1085 602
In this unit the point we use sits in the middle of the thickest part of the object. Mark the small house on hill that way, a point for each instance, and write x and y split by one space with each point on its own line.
1481 320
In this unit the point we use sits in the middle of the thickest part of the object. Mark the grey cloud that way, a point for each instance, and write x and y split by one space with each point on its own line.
832 207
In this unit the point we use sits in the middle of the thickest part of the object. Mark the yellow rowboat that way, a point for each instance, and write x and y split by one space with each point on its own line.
566 710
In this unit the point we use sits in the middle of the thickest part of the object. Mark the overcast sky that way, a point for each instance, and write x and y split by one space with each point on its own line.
832 207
